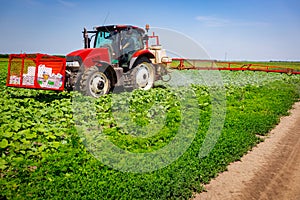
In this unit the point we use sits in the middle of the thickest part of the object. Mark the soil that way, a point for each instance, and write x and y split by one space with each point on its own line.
271 170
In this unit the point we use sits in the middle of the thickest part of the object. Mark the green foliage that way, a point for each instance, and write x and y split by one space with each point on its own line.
4 56
43 154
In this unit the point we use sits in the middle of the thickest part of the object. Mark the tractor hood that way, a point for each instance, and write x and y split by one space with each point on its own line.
90 56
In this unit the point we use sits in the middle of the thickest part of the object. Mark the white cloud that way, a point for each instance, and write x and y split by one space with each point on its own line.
213 21
221 22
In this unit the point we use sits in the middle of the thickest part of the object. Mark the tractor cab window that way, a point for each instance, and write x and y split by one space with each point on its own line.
131 41
102 39
108 40
122 44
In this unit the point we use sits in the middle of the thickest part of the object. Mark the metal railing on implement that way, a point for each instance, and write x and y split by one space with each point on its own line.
195 64
36 71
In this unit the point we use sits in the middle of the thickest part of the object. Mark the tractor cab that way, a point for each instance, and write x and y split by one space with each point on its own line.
122 41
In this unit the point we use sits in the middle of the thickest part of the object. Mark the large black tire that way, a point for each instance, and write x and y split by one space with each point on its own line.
95 82
143 74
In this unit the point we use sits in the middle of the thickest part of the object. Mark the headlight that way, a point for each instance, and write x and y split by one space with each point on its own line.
73 64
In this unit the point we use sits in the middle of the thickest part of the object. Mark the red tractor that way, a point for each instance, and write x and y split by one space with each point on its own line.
120 56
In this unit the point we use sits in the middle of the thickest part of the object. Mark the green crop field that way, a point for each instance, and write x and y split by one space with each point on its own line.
46 155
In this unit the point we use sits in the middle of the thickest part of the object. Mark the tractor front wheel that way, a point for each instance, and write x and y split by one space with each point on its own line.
95 82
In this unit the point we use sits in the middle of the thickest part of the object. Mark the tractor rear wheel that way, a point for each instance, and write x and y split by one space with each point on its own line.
143 75
95 82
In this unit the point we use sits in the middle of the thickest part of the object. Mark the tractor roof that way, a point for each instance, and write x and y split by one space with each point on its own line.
110 28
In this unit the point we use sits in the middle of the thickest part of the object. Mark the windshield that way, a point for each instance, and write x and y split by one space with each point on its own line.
102 39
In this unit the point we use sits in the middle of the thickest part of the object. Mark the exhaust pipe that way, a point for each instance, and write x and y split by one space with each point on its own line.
87 40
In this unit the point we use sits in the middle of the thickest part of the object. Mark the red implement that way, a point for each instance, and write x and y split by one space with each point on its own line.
36 71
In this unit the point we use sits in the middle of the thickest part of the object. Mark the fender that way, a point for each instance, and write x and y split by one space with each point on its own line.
90 57
138 54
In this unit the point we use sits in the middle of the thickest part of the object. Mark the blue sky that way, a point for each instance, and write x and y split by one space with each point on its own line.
231 29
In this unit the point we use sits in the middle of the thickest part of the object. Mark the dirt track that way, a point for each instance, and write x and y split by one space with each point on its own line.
270 171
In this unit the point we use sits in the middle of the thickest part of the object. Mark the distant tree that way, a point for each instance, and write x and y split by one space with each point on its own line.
4 55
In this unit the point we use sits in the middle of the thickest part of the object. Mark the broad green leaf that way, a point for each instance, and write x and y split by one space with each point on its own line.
30 135
17 160
3 163
3 143
59 133
23 152
55 144
50 136
7 134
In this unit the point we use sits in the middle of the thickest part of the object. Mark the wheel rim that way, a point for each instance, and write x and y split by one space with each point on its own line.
99 84
144 77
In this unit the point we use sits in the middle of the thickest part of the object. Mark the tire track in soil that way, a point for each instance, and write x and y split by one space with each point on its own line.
270 171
